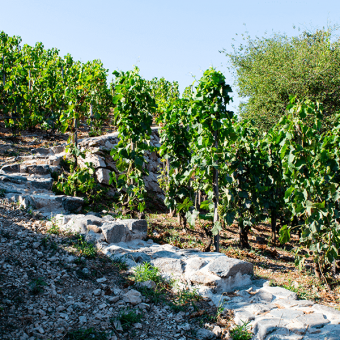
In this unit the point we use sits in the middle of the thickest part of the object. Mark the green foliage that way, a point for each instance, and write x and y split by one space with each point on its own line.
270 69
165 93
310 162
240 195
134 110
175 153
240 332
55 230
85 334
129 317
37 286
40 88
211 130
81 180
120 264
85 248
145 272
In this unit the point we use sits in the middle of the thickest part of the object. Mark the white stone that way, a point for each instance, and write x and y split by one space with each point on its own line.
133 296
82 319
103 176
97 292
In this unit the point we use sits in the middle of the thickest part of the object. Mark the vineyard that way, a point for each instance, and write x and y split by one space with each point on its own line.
215 167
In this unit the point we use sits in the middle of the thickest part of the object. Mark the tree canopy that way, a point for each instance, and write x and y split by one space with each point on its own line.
268 70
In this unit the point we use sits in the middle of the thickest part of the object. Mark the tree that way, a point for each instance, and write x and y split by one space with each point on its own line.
269 70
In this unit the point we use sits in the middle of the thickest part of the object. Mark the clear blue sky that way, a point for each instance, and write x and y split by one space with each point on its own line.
172 39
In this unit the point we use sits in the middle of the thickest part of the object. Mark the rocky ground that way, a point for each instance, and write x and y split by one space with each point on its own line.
53 286
272 261
81 277
56 285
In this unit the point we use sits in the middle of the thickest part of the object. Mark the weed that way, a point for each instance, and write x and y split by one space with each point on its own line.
78 261
53 245
184 297
154 295
44 241
85 334
175 307
145 272
36 286
128 317
55 230
120 264
240 332
2 193
85 248
188 295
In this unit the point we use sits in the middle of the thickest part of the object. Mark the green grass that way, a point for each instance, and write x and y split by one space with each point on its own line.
241 332
145 272
86 249
55 230
184 297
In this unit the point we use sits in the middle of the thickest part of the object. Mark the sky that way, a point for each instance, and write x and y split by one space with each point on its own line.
173 39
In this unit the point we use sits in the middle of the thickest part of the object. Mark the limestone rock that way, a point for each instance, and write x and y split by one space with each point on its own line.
225 267
42 151
316 320
133 296
72 204
103 176
203 333
96 160
280 293
115 232
9 169
147 284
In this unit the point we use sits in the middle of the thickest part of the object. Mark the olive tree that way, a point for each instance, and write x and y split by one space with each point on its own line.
268 70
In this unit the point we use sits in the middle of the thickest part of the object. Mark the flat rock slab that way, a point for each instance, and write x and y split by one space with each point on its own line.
215 271
225 267
316 320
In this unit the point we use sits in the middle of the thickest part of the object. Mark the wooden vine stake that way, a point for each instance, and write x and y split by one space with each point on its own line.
216 198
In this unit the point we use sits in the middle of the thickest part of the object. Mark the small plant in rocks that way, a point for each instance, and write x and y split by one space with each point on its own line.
85 334
146 272
155 295
85 248
120 264
241 332
55 230
129 317
36 286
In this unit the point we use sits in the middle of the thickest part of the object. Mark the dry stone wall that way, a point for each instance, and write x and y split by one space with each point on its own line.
28 181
